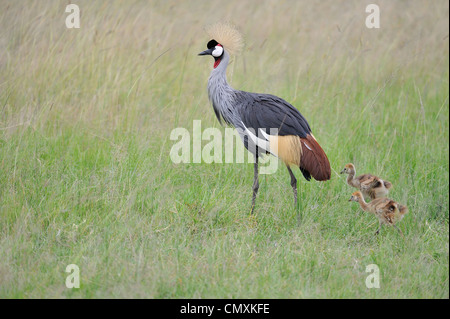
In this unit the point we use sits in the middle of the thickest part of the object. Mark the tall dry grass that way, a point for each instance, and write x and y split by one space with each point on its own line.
141 56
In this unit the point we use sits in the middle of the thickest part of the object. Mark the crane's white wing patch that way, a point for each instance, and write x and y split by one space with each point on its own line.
262 143
307 146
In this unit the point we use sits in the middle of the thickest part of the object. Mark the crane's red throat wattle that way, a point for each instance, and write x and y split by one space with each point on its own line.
217 62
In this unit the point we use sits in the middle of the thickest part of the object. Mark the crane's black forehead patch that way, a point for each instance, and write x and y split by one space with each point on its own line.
212 44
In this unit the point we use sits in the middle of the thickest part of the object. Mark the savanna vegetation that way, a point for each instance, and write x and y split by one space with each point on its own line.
86 177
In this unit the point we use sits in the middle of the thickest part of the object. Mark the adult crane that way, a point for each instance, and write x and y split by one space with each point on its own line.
257 116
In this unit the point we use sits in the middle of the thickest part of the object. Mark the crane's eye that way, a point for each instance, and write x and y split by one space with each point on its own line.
218 50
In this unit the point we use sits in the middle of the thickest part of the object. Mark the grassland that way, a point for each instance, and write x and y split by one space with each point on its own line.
86 178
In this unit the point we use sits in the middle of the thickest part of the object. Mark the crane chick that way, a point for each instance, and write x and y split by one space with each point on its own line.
386 210
371 186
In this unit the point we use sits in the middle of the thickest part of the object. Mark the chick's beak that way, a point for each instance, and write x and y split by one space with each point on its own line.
342 172
207 52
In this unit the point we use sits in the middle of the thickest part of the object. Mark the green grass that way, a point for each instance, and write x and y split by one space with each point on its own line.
86 177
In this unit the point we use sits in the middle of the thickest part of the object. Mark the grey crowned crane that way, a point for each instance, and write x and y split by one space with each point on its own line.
256 116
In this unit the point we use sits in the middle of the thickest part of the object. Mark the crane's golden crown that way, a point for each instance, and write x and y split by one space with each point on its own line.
227 35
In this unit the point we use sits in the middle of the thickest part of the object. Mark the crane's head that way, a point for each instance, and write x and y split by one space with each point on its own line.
356 197
216 50
348 169
225 37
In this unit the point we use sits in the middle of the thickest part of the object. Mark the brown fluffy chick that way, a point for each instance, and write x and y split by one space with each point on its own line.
386 210
371 186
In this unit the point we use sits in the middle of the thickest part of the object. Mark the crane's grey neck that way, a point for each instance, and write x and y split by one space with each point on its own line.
221 94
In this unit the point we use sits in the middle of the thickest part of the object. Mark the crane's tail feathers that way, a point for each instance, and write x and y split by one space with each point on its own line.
314 160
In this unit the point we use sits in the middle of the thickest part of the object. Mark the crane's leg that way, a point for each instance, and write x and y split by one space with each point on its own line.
293 184
255 183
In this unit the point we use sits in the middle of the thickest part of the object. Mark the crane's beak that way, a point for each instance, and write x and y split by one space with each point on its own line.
207 52
342 172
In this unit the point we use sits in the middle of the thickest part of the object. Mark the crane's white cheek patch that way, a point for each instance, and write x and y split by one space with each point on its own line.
217 52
